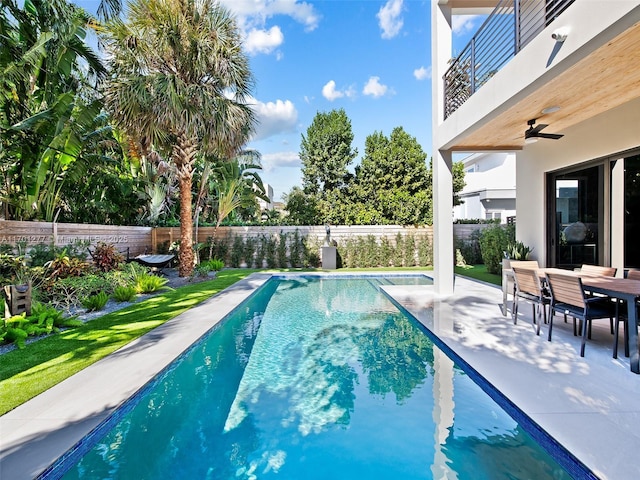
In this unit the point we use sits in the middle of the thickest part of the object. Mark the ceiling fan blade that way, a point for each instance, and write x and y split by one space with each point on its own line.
553 136
537 129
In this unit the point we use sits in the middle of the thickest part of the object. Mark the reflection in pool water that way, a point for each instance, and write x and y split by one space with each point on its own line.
317 379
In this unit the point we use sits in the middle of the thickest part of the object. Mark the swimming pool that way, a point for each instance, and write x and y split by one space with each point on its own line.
315 378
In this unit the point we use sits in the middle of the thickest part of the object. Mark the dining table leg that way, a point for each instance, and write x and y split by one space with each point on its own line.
632 326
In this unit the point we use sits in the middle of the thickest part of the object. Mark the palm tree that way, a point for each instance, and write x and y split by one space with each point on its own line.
181 80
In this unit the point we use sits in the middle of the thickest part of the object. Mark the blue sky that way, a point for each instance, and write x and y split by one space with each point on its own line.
369 57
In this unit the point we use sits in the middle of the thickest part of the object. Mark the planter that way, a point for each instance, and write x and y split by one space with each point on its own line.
17 300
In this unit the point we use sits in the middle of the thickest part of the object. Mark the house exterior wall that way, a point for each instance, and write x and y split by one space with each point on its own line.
598 21
603 136
490 190
591 24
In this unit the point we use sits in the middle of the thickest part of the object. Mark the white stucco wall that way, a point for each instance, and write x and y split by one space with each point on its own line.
607 134
592 23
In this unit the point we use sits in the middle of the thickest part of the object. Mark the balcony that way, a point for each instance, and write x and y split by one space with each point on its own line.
509 28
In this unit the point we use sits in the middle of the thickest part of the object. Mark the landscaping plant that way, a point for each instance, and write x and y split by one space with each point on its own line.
150 283
95 302
106 257
124 293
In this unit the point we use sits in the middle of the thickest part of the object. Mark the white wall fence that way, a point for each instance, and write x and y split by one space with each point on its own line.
147 239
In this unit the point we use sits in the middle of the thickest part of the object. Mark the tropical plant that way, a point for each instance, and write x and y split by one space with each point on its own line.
124 293
518 250
63 266
95 302
106 257
181 80
150 283
48 111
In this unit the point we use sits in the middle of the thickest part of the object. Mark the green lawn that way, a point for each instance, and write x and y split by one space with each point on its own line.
479 272
26 373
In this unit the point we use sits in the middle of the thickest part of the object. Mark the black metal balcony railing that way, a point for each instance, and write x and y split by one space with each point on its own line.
511 26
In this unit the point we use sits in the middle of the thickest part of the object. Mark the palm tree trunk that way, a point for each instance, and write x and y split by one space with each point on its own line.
184 153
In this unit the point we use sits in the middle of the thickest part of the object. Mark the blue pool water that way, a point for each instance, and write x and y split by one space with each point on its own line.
316 378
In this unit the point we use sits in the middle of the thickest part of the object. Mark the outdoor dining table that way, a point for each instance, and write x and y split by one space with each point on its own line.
620 288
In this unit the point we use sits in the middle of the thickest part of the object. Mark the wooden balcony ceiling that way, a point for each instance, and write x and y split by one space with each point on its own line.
607 78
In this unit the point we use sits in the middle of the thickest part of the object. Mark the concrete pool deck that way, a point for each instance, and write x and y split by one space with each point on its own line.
590 405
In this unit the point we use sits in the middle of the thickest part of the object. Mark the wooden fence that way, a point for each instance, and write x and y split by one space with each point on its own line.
136 239
140 240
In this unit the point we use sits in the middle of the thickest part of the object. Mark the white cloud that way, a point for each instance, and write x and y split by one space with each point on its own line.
422 73
389 18
263 41
374 88
330 92
463 23
280 159
274 118
252 13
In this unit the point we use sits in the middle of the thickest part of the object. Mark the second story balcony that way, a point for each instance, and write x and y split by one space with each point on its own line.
507 30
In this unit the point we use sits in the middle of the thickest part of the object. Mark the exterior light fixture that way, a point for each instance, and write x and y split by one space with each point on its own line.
560 34
548 110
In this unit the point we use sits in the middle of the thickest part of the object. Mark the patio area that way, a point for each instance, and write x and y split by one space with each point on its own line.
587 404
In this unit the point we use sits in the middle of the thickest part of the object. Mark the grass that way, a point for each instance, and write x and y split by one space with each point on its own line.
26 373
479 272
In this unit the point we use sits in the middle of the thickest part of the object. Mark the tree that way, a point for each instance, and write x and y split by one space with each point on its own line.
326 152
180 80
302 208
393 178
49 109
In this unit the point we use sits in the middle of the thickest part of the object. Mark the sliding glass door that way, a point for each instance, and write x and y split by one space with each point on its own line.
632 211
576 220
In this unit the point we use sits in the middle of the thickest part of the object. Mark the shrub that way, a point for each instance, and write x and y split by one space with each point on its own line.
45 314
270 248
214 264
282 250
95 302
41 253
470 248
385 252
409 256
296 250
150 283
64 266
248 251
106 257
425 251
398 251
237 247
43 320
124 293
67 293
260 252
493 244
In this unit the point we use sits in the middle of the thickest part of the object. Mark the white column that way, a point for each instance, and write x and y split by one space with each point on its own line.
617 217
442 176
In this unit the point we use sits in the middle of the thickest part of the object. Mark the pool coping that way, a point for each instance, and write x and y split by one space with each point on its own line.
598 431
35 434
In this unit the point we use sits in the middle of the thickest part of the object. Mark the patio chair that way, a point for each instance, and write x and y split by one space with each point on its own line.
569 298
519 264
528 288
598 270
622 318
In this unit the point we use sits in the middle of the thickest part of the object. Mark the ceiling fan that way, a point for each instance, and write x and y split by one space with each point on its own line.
534 132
